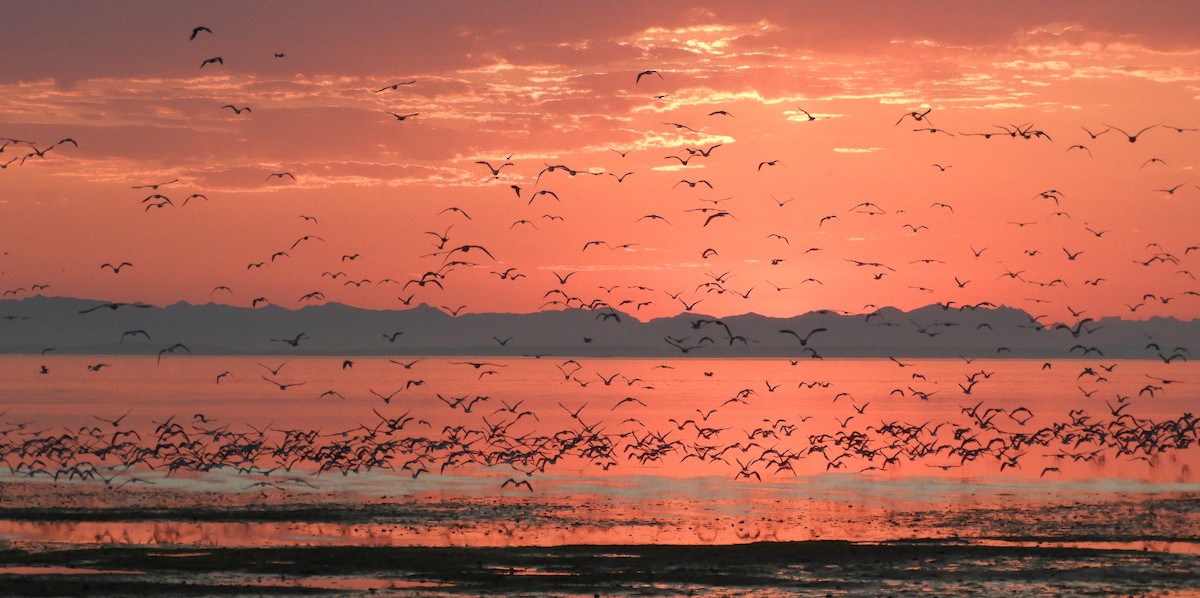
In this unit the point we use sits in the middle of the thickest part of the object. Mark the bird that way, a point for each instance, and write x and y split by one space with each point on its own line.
237 110
155 186
134 333
403 116
1132 138
395 86
113 306
803 339
114 422
280 175
281 385
917 116
213 60
196 31
117 268
1171 190
295 342
644 73
517 484
495 170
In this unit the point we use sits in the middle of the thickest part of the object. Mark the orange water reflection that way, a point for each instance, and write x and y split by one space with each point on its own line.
604 451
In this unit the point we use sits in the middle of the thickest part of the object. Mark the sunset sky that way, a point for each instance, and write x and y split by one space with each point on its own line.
937 215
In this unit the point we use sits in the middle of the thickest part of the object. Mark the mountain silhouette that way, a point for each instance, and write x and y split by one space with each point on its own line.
32 324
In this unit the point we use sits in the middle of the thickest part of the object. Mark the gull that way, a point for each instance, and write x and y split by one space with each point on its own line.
917 116
395 86
281 385
645 73
495 170
196 31
295 342
542 192
280 175
117 268
113 306
1171 190
702 152
306 238
1132 138
237 110
213 60
719 214
403 116
171 349
456 209
681 126
155 186
516 483
803 339
478 364
134 333
386 398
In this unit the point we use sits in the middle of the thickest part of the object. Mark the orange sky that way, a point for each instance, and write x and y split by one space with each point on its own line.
542 84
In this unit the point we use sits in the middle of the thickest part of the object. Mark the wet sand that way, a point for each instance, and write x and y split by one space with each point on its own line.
771 568
84 539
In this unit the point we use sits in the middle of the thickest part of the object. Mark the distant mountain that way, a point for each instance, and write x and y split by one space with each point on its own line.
33 324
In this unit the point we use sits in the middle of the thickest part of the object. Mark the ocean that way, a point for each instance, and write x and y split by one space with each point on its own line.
204 454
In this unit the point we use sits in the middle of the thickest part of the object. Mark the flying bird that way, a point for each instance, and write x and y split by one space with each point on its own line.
495 170
395 86
1132 138
117 268
645 73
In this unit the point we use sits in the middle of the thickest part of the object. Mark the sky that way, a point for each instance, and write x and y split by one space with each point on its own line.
883 153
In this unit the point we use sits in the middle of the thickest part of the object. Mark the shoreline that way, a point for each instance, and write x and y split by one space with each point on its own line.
798 568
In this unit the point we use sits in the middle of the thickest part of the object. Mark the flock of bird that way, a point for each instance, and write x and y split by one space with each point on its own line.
468 431
406 441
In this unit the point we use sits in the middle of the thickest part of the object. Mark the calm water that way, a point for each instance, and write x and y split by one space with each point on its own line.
772 403
1087 420
519 452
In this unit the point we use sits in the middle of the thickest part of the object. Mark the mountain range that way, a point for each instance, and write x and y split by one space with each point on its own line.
83 326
